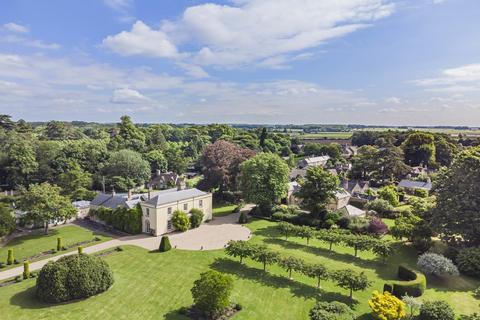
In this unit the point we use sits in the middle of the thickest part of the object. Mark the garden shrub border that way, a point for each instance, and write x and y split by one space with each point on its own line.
411 282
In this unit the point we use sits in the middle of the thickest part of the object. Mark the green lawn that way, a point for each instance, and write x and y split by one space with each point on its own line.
155 285
222 209
30 245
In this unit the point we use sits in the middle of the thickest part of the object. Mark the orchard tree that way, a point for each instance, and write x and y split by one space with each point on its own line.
291 264
263 255
126 169
286 229
351 280
221 161
43 203
264 180
318 188
456 216
241 249
316 271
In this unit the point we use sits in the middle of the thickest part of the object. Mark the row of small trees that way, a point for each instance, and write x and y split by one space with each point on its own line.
347 278
380 247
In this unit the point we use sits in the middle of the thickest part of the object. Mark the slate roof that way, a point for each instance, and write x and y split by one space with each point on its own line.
410 184
174 195
114 201
352 211
317 159
297 173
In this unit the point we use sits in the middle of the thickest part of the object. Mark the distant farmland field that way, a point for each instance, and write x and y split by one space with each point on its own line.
347 135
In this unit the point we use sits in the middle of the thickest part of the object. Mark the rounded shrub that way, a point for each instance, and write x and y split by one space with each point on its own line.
165 244
468 261
331 311
180 220
80 250
211 293
436 310
436 264
196 217
73 277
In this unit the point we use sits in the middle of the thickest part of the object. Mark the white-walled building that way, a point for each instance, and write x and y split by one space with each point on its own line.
157 212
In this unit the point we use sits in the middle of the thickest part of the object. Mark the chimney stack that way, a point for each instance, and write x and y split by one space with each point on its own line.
180 184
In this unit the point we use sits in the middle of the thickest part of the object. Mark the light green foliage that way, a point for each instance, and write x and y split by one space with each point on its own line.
290 264
264 179
180 220
26 270
389 193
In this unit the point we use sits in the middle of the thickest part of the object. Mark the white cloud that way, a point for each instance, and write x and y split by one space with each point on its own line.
268 33
141 40
126 95
193 70
460 79
118 5
393 100
17 28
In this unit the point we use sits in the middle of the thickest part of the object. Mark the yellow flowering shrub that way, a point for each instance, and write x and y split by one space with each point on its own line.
386 306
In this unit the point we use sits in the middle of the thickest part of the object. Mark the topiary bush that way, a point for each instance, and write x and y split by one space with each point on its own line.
164 244
436 264
73 277
468 261
10 258
59 244
180 220
196 217
331 311
26 270
436 310
413 284
243 218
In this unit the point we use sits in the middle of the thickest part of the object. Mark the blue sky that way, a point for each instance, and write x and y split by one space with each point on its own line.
404 62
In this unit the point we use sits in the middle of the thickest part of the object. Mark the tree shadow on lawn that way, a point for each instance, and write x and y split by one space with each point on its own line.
174 315
383 271
269 232
298 289
33 236
452 283
27 300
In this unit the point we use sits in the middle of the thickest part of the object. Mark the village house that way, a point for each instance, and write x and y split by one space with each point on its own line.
157 212
410 185
320 161
355 187
164 180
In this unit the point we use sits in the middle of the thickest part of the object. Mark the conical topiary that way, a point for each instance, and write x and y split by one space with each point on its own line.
164 244
80 250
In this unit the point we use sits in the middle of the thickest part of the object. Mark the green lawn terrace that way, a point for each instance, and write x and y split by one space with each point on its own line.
35 244
151 285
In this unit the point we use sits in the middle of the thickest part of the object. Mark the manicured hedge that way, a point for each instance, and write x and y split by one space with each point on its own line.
414 283
73 277
165 244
